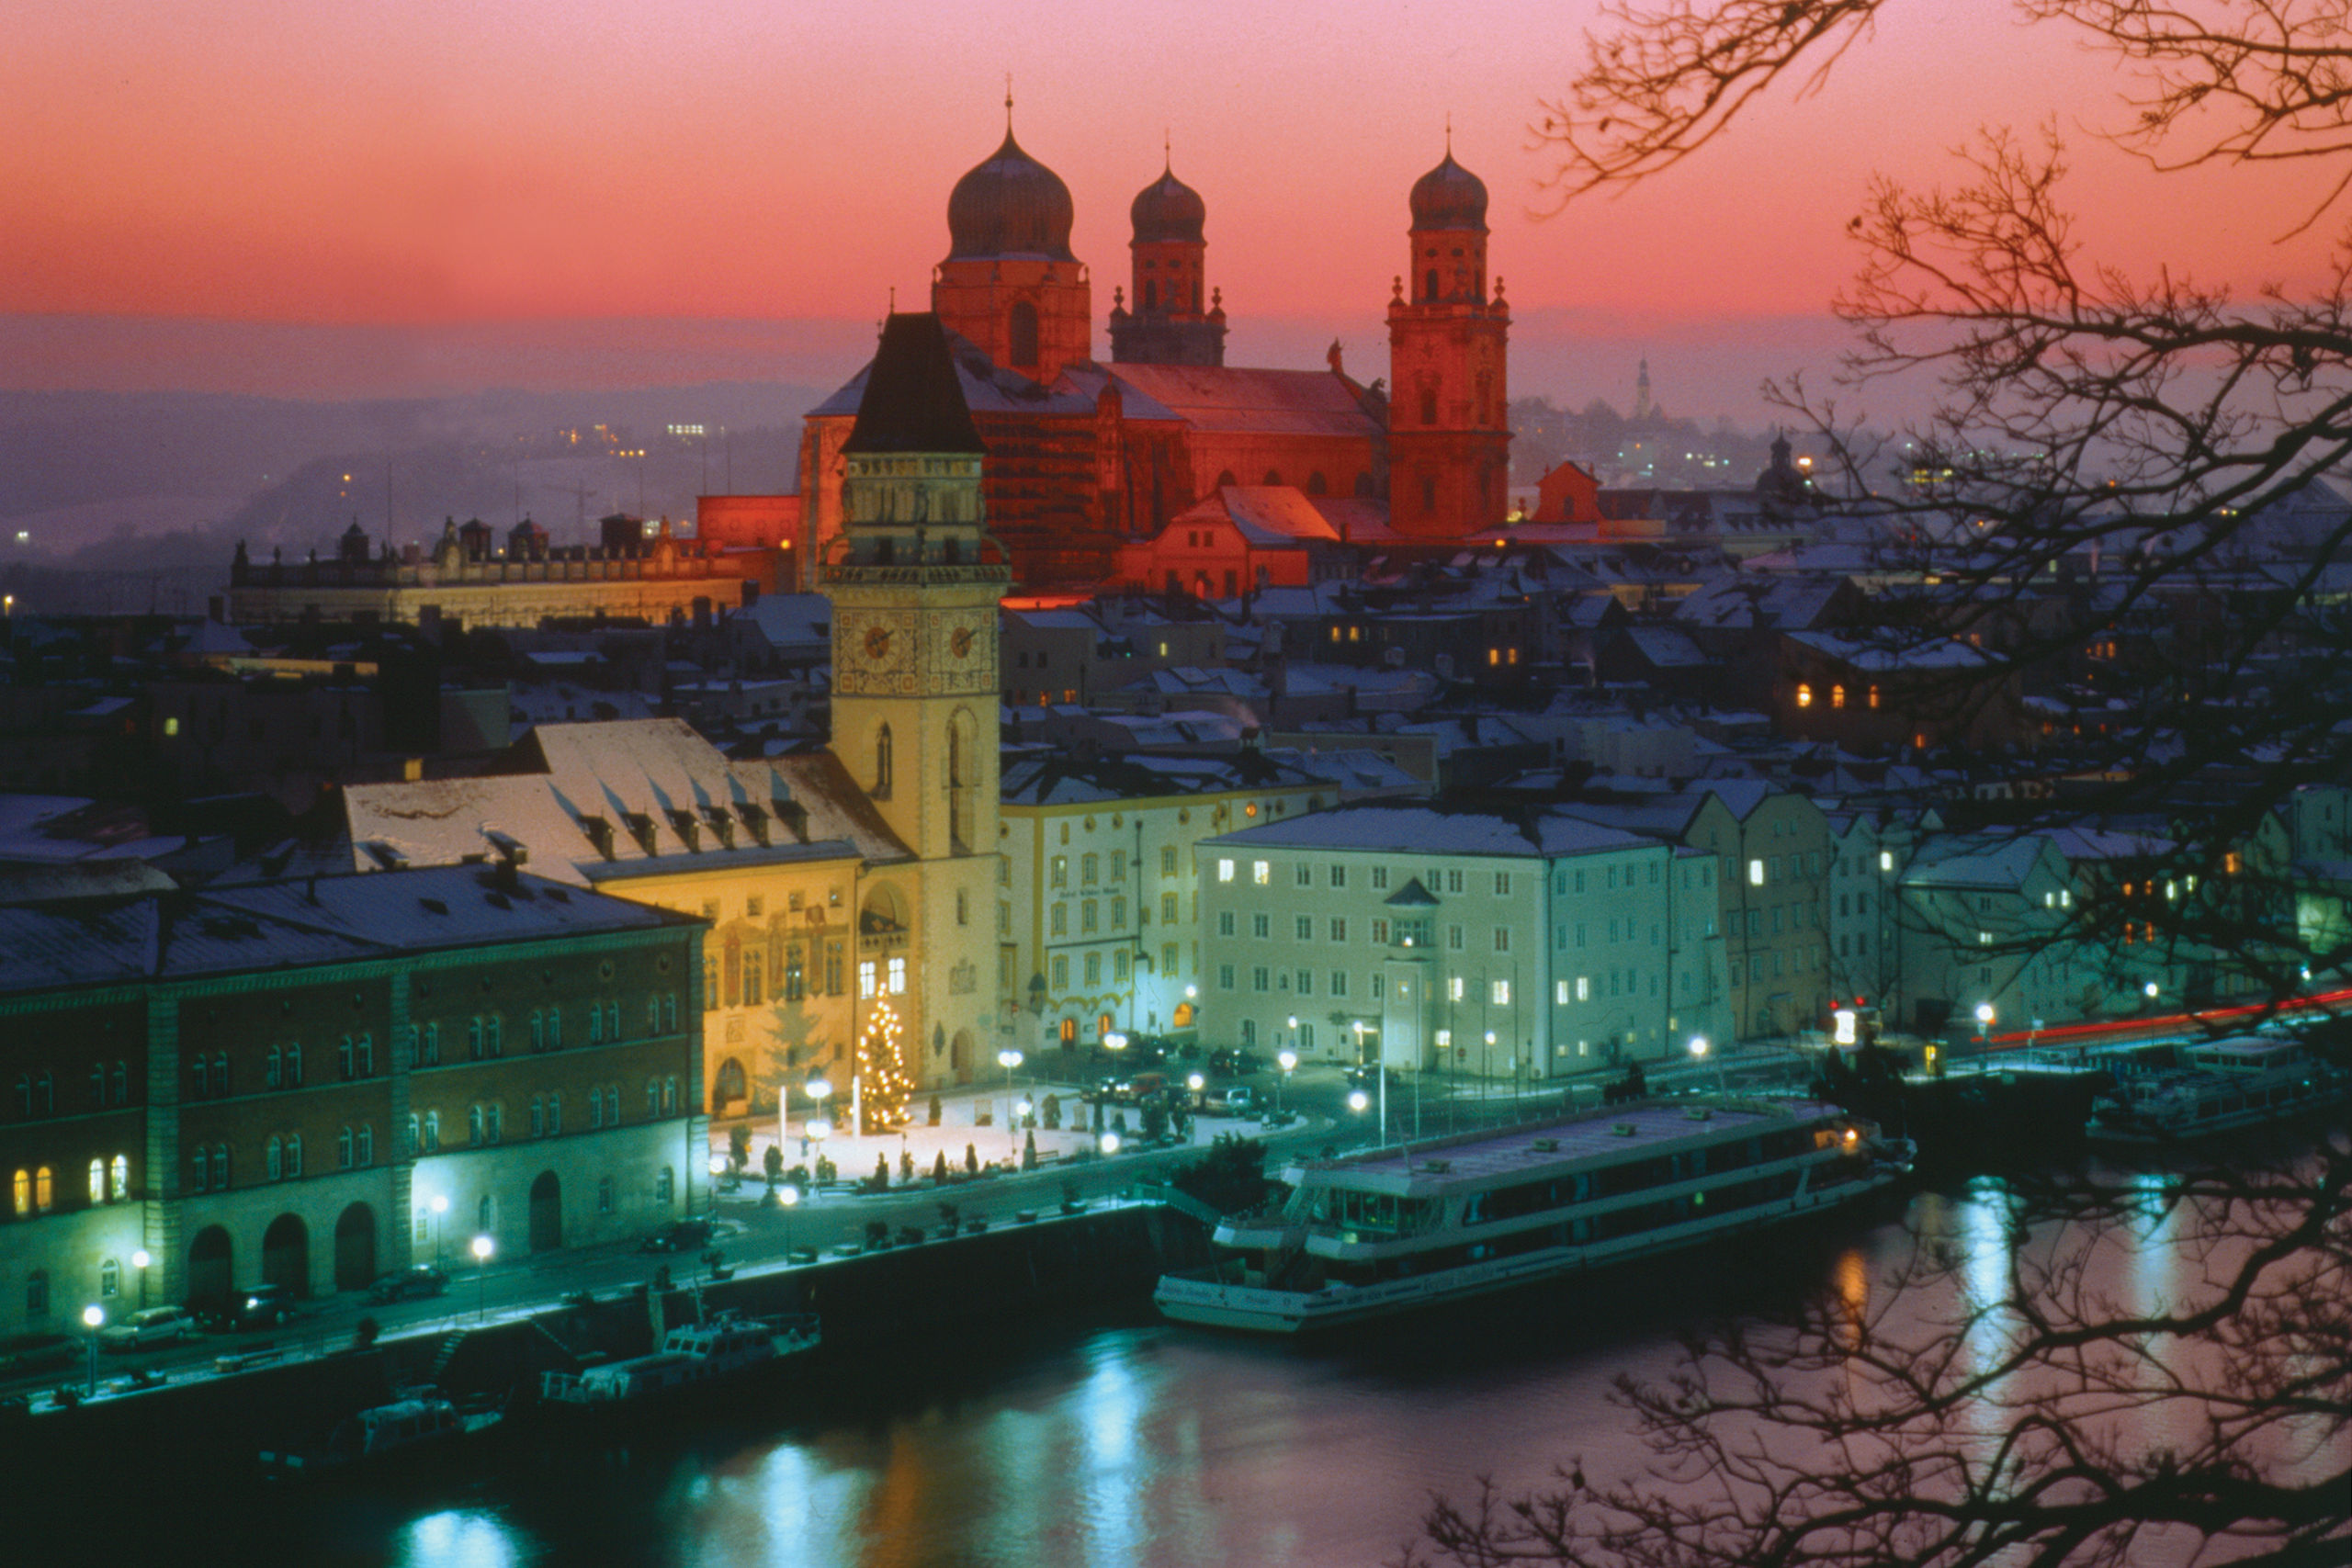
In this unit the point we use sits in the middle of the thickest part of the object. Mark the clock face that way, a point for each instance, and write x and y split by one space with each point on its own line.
959 642
878 642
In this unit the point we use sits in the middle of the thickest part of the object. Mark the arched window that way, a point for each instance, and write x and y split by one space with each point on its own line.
415 1131
473 1037
538 1029
202 1075
343 1148
111 1277
473 1125
293 1156
221 1166
1273 477
343 1056
493 1034
23 1186
276 1074
221 1073
97 1181
121 1083
367 1143
275 1164
1227 478
294 1065
43 1197
664 1185
555 1028
882 763
1317 484
121 1178
1023 332
613 1106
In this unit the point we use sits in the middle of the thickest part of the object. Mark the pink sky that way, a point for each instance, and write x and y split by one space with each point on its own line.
736 185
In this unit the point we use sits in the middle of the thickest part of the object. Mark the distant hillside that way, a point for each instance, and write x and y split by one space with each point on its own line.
108 476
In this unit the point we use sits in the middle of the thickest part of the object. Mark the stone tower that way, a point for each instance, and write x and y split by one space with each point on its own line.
1449 425
1168 321
914 582
1010 283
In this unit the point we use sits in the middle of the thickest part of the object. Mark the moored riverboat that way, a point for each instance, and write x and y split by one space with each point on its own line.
416 1424
2223 1085
721 1351
1395 1229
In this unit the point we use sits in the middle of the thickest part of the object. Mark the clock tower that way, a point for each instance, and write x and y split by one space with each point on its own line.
914 581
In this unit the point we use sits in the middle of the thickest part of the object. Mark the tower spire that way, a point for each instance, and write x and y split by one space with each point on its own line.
1449 133
1008 103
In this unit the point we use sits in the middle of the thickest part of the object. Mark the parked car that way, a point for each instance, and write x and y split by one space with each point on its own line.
262 1306
403 1284
155 1325
1236 1099
678 1235
23 1353
1236 1062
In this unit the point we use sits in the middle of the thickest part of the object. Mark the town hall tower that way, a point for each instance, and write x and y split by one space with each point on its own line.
1449 426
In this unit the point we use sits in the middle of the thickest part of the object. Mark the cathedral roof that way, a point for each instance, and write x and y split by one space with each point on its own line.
1236 399
1009 205
1450 196
913 401
1168 208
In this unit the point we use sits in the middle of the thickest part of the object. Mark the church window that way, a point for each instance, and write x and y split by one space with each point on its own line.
882 763
1227 478
1272 478
1023 332
1317 484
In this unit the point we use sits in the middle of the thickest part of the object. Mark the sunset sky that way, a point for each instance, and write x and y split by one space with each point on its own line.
291 196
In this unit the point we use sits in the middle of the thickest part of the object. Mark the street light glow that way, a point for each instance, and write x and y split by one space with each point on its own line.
1359 1101
1697 1045
483 1246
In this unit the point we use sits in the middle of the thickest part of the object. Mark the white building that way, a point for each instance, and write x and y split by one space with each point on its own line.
1507 947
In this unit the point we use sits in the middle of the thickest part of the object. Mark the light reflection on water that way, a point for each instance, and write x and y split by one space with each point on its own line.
1139 1444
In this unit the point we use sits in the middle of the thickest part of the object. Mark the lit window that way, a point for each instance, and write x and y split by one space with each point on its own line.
1756 874
1886 860
1836 696
897 976
1584 988
1260 872
1225 871
1502 993
1804 696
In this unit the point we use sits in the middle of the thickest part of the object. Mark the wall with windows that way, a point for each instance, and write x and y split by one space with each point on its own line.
1533 963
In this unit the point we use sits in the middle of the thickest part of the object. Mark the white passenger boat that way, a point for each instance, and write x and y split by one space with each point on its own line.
2221 1087
412 1425
724 1350
1393 1229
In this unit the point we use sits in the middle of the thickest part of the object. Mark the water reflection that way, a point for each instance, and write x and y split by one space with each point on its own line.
459 1537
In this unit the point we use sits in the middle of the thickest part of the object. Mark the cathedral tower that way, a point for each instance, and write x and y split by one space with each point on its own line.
1010 283
1166 322
1449 426
914 582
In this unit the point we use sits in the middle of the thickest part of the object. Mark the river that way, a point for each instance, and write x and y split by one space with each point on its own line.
1126 1442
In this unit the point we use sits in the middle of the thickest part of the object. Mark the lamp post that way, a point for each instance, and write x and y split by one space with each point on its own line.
1198 1084
1487 1065
440 1206
1285 1059
93 1317
140 1260
788 1198
717 1170
1009 1059
483 1246
818 1088
1984 1026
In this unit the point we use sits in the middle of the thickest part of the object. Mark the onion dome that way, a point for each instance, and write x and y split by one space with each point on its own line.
1450 196
1168 208
1010 206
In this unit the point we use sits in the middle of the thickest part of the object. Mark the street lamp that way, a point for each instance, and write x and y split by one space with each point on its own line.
1110 1143
818 1088
1285 1059
1984 1025
1487 1067
440 1206
483 1246
1197 1084
140 1261
93 1316
787 1197
1009 1059
717 1170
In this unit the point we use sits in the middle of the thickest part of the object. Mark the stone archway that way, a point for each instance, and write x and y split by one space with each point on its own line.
547 1212
961 1055
285 1254
728 1087
212 1268
354 1247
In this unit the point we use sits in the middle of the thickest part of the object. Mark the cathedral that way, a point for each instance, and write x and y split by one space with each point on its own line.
1088 464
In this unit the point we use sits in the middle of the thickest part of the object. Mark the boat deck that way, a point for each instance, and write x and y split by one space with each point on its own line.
1479 1156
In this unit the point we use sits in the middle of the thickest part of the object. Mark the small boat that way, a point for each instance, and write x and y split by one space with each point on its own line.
1394 1229
2222 1087
723 1349
414 1424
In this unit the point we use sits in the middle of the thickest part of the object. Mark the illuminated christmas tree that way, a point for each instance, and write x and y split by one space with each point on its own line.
883 1087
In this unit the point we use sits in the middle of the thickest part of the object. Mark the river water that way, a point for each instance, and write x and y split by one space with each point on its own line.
1124 1442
